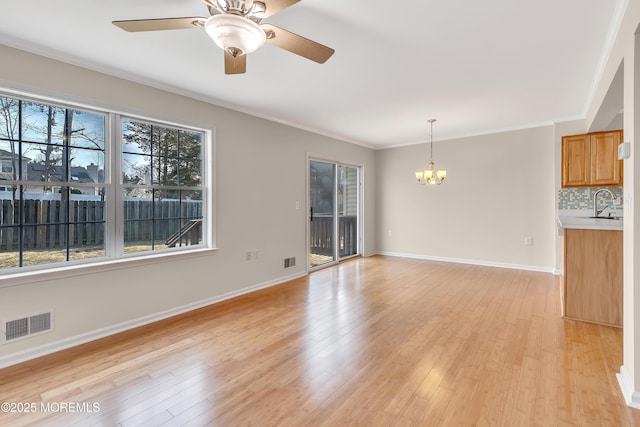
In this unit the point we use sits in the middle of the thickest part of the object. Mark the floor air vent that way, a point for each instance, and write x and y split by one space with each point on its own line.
289 262
27 326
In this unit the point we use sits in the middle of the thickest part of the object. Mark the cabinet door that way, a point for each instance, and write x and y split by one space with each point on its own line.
575 161
605 166
593 275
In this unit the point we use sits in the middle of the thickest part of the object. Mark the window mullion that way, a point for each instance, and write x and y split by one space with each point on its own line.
20 189
115 195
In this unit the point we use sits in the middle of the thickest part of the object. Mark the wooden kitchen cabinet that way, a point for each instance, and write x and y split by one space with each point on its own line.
593 275
591 159
576 160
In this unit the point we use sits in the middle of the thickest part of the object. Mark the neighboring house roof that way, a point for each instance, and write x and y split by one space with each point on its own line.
78 173
4 154
36 171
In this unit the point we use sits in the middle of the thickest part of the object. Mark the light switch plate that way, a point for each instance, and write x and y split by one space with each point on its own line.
624 150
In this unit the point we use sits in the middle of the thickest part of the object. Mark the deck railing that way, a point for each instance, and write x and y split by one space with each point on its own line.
321 235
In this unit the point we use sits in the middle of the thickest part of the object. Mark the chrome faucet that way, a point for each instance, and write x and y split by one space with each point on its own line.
597 212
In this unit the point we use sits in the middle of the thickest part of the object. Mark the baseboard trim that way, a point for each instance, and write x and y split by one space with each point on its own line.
43 350
631 397
471 262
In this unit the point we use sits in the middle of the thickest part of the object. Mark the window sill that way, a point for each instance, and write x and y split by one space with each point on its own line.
47 274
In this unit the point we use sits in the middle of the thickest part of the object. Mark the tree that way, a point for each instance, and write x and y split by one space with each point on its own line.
53 128
9 122
171 156
52 153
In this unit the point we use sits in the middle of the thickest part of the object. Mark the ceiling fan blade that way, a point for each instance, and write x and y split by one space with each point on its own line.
237 65
160 24
297 44
275 6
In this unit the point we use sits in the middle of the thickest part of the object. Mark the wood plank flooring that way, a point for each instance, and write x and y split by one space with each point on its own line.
379 341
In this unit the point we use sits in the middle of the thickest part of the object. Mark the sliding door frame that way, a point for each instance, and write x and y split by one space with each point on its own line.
360 227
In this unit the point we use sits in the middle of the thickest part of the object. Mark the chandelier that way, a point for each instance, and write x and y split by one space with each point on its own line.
431 176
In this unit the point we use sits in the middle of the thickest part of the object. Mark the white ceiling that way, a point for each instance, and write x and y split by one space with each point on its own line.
476 66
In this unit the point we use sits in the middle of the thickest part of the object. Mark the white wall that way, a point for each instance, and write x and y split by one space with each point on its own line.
499 190
260 174
625 52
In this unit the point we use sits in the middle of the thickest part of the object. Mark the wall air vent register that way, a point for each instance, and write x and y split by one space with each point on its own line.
26 326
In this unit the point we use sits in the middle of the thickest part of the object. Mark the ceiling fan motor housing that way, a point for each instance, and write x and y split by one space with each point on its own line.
240 7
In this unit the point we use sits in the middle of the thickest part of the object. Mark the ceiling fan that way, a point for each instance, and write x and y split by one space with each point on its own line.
236 26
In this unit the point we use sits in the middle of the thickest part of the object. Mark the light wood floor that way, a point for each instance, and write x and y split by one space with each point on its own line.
375 342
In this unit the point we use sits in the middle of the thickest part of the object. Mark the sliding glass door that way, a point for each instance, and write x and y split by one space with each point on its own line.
348 211
334 211
322 215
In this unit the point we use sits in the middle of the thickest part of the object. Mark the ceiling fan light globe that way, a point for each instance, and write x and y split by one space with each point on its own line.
235 34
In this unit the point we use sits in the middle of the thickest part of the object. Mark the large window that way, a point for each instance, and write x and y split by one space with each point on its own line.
71 189
162 186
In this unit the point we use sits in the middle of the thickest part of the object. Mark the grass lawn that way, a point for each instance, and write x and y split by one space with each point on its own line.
48 256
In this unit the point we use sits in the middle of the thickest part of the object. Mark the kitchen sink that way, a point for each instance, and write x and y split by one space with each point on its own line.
614 218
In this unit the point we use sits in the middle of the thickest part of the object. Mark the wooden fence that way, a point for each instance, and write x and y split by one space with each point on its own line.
48 223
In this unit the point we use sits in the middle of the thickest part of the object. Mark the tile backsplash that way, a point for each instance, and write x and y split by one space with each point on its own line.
582 198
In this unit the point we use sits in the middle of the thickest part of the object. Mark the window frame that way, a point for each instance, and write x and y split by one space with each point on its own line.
115 257
120 186
2 166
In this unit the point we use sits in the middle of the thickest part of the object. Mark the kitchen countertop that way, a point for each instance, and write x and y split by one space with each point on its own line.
586 223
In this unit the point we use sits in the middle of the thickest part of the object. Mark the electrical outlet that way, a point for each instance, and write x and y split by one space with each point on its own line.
528 241
255 253
248 256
